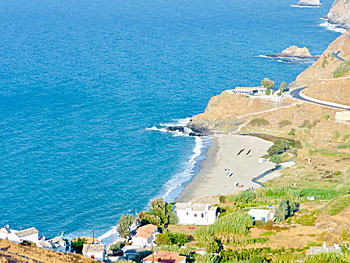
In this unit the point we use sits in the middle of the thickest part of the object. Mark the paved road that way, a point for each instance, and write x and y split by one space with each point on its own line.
336 55
296 94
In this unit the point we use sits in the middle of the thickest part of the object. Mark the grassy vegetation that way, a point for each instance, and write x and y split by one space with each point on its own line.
339 205
259 122
342 69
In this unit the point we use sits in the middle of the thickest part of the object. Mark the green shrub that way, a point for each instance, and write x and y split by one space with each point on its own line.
280 146
292 132
306 220
267 83
168 238
342 69
276 158
284 123
339 205
259 122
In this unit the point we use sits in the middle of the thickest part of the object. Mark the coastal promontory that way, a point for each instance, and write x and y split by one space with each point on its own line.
339 14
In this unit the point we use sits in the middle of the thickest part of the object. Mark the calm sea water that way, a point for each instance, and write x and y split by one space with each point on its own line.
80 81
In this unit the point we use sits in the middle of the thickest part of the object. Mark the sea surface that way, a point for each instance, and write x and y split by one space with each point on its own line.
83 81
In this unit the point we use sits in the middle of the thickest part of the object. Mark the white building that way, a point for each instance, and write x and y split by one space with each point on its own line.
342 116
196 214
251 91
145 236
324 249
164 256
96 251
29 234
261 214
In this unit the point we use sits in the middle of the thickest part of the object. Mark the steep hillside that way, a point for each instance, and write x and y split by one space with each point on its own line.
327 64
13 252
340 13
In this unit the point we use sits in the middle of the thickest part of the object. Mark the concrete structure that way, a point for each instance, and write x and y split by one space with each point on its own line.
251 91
342 116
324 249
196 214
131 252
165 257
261 214
29 234
96 251
145 236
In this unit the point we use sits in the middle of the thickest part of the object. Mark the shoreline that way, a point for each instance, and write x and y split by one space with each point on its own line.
211 181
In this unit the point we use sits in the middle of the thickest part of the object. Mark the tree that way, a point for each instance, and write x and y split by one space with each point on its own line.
161 214
116 248
268 92
275 158
285 209
78 244
267 83
283 86
124 225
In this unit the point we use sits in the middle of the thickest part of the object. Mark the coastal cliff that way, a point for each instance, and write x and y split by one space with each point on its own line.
340 13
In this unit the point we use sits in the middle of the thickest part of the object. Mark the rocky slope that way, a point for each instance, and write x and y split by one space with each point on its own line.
310 3
13 252
340 13
322 78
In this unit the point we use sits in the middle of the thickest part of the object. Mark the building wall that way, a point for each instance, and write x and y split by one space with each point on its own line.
11 237
189 217
97 255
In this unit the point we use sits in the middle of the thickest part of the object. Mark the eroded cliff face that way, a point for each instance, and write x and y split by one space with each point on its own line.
340 13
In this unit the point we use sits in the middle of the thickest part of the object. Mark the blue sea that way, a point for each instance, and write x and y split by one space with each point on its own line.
83 81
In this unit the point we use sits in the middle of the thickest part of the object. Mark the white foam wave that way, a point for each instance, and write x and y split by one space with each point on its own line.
333 27
305 6
154 128
175 185
177 122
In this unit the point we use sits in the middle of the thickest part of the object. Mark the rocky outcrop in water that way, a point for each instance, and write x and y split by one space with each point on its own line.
309 3
294 52
340 13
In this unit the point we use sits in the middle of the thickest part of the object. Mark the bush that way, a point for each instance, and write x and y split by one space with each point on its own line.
292 132
117 247
280 146
259 122
276 158
168 238
342 69
284 123
339 205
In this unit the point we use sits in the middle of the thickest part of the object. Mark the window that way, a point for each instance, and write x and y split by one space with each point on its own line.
202 215
195 215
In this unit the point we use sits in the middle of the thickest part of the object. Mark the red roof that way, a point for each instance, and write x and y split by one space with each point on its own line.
146 231
165 257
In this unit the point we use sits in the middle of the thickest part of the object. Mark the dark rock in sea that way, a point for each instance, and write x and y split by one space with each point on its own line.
190 130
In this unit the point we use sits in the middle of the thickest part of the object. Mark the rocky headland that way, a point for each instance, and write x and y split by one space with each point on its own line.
309 3
339 14
293 52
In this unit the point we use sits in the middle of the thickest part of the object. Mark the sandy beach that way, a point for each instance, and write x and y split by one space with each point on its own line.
212 181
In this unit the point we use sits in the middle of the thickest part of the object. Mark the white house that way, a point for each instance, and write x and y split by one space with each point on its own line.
145 235
96 251
29 234
164 256
250 90
196 214
261 214
324 249
342 116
